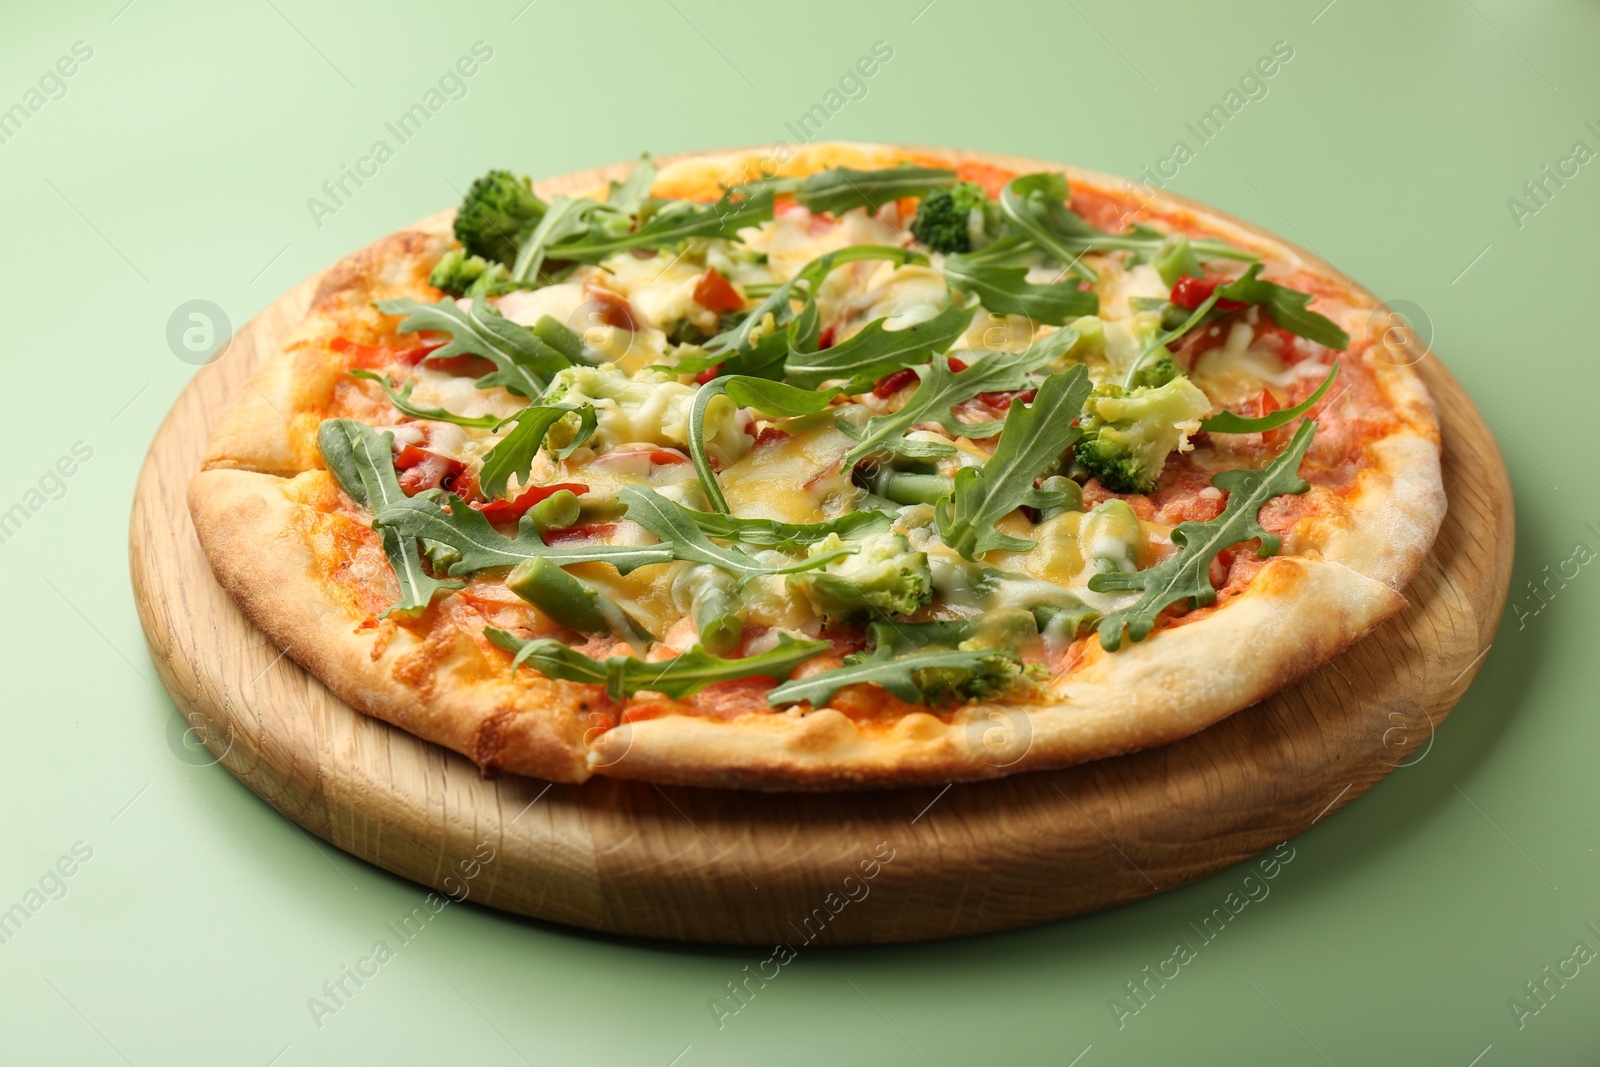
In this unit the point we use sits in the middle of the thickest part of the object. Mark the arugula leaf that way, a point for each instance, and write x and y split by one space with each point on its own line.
1287 308
677 221
1033 437
905 446
877 351
401 402
1228 422
1186 573
897 674
629 195
677 678
742 337
565 217
524 364
677 527
1159 344
513 453
560 338
1034 204
361 460
770 533
842 188
941 389
767 397
1006 290
481 547
1175 258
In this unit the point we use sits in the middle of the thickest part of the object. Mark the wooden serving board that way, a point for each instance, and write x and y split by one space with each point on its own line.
720 866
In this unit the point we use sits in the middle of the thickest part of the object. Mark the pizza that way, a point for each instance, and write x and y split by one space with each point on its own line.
862 467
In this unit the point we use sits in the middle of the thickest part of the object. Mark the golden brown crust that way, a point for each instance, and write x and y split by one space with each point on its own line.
441 686
1297 612
1146 694
270 425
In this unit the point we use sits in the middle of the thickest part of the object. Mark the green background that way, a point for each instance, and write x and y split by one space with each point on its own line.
177 166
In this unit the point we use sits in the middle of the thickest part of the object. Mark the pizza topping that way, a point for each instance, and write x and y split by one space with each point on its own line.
680 676
509 511
359 459
844 189
941 387
768 397
1128 434
882 578
523 362
653 412
715 293
1004 287
1034 436
916 663
1269 415
710 597
957 219
513 455
421 470
401 401
574 603
498 210
1189 292
884 434
1185 575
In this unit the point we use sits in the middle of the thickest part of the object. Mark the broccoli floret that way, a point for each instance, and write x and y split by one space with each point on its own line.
957 219
1005 630
496 211
460 274
1128 434
992 676
883 577
1158 369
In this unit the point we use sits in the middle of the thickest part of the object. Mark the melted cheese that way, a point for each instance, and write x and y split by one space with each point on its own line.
796 480
799 479
1237 371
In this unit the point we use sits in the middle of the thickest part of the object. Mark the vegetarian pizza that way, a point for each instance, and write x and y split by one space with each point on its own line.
872 468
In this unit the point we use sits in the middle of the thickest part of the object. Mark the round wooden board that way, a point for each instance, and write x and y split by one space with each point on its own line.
720 866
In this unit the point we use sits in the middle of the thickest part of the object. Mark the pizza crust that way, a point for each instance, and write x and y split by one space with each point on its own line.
1151 693
443 688
453 689
270 425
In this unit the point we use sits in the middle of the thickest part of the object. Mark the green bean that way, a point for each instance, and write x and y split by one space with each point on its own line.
594 507
1073 502
556 511
1064 622
570 600
903 487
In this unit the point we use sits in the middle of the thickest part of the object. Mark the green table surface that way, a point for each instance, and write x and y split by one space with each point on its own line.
176 162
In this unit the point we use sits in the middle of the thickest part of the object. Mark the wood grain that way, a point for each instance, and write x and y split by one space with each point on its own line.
718 866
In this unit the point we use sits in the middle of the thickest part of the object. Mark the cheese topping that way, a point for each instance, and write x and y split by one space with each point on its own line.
635 315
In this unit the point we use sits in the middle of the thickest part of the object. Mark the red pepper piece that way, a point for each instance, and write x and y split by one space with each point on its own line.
421 470
1006 399
1190 292
512 510
716 293
891 384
